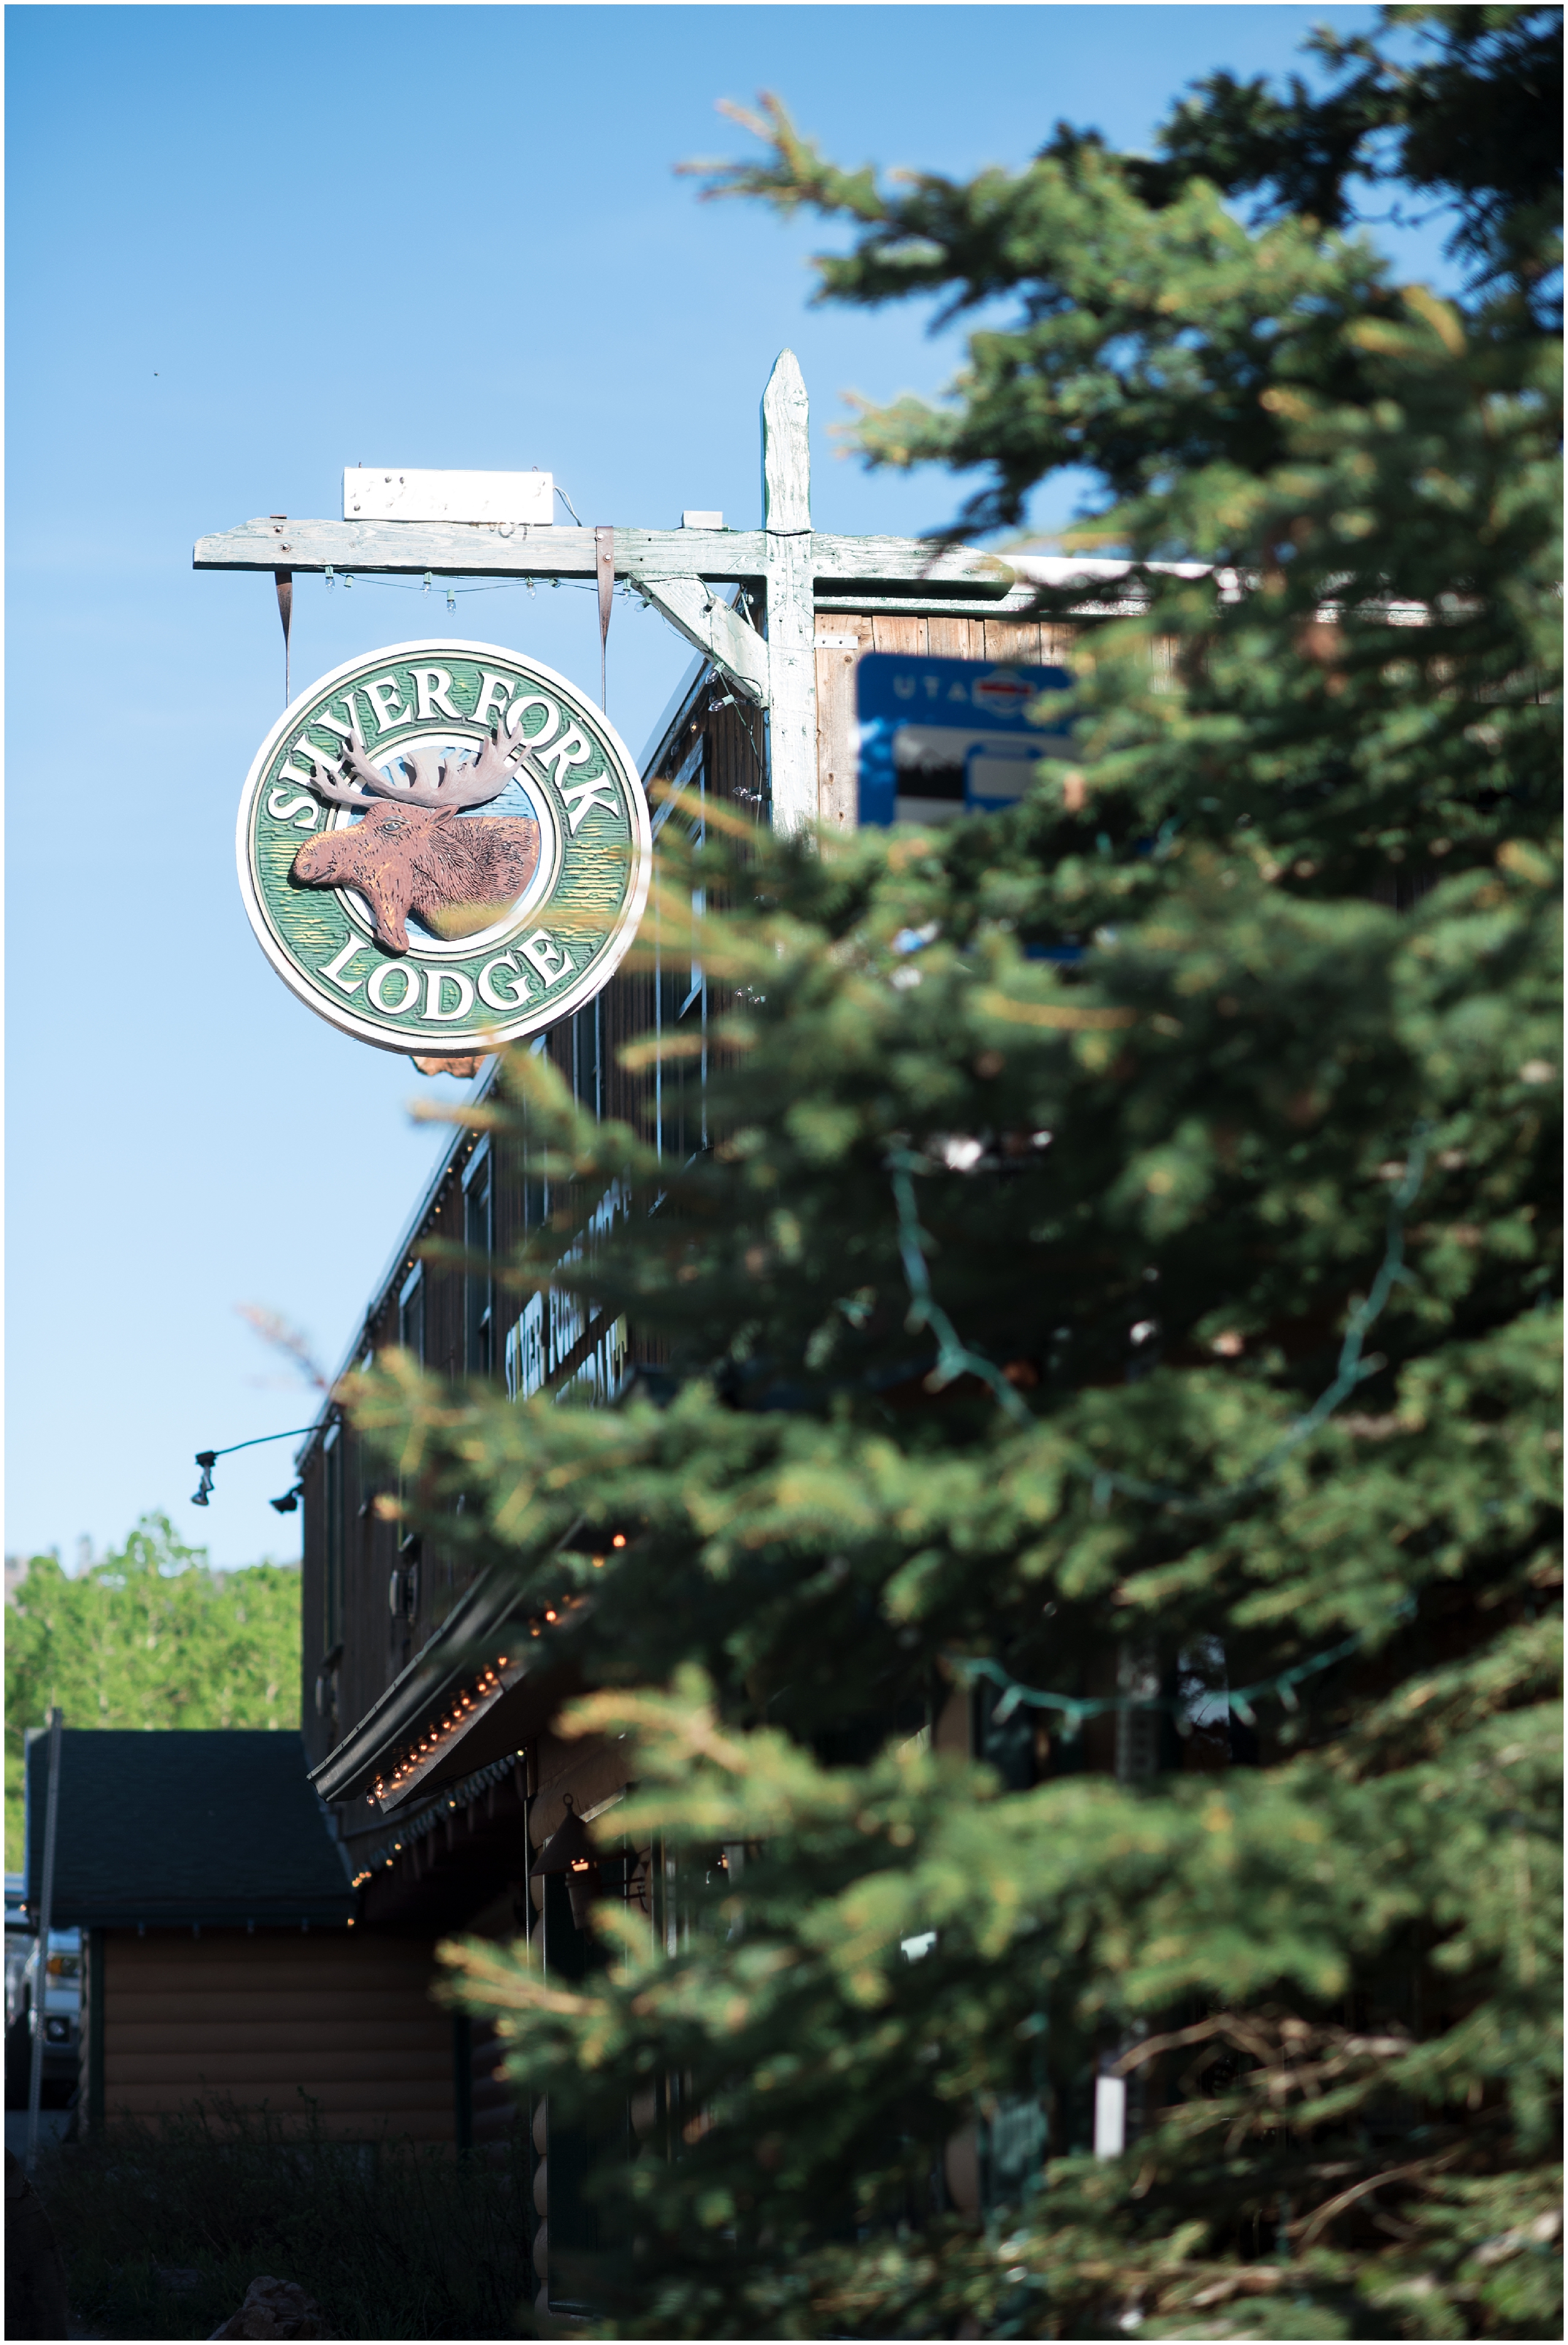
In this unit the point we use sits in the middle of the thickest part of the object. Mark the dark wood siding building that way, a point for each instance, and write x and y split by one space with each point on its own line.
223 1960
443 1785
372 1603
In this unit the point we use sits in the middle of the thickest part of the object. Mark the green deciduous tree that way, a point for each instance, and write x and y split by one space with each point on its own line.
1125 1283
147 1635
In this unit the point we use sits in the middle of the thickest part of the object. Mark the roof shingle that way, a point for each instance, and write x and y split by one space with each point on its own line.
170 1827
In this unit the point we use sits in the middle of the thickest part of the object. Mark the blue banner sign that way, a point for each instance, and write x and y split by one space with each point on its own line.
942 737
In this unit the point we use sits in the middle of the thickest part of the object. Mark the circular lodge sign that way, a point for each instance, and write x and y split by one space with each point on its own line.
443 847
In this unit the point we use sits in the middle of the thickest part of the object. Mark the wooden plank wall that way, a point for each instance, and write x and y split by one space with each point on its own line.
495 2108
843 636
341 2016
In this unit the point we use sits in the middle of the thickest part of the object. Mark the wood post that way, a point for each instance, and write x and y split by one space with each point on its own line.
46 1923
839 642
792 661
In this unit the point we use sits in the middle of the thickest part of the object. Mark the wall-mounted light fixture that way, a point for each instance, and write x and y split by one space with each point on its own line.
207 1458
569 1851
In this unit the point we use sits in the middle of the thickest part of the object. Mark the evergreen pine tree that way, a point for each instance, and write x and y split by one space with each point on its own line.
1161 1342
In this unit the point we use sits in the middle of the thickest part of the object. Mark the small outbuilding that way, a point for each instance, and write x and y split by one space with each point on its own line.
225 1962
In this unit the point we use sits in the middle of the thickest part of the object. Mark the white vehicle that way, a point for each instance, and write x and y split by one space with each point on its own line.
18 1943
61 2002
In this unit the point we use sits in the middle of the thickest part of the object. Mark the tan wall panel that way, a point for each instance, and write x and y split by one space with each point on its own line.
315 1955
345 2020
386 2006
956 638
425 2126
1012 639
839 644
367 2086
911 636
837 743
287 2033
181 2065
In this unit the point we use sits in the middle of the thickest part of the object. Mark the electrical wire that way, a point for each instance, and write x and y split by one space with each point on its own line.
207 1458
955 1358
1076 1708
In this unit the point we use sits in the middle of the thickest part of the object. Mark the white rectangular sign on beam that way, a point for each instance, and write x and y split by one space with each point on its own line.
383 493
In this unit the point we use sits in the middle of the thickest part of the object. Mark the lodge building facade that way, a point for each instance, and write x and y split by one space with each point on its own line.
441 1785
434 1771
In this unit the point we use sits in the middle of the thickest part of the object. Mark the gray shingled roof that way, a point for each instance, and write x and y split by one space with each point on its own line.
174 1828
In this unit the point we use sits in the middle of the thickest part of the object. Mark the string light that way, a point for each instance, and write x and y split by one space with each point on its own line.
431 1737
418 1828
955 1359
1075 1709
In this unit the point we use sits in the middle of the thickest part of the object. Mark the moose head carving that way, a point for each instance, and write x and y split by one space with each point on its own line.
411 854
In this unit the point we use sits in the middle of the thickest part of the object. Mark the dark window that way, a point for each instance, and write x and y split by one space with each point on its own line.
681 993
535 1188
332 1588
679 1081
535 1201
478 1222
587 1082
412 1314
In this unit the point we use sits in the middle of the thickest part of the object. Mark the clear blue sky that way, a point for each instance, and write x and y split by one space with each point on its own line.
248 245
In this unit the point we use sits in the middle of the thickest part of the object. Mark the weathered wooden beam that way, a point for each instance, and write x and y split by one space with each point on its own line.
887 566
792 621
713 629
1014 603
473 549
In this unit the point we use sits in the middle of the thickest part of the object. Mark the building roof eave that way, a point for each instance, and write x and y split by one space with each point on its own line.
207 1914
412 1710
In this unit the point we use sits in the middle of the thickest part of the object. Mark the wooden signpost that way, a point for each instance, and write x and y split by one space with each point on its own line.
791 575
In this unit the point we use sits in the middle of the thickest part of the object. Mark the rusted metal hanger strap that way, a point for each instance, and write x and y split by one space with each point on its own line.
284 581
604 565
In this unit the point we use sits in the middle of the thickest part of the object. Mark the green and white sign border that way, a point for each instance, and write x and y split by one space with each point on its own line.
547 1006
